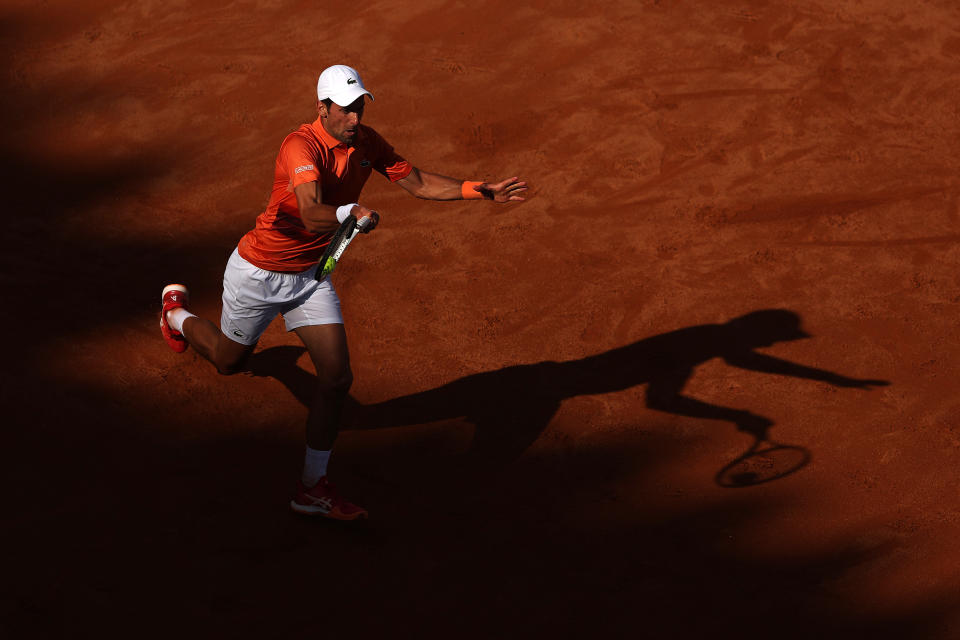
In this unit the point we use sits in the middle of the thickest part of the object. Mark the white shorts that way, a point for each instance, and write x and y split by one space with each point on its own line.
252 298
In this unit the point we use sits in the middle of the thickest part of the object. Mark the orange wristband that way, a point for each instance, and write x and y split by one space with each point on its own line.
467 191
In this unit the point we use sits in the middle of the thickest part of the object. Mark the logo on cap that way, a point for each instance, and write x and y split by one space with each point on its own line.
351 81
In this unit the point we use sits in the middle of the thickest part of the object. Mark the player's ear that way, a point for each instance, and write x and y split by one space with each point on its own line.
321 109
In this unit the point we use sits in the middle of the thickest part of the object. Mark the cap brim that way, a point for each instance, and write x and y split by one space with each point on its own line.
346 98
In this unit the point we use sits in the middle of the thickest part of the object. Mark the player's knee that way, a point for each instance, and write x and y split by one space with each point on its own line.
338 382
232 358
230 367
343 382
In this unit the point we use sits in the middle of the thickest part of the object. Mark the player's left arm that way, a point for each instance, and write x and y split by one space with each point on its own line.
433 186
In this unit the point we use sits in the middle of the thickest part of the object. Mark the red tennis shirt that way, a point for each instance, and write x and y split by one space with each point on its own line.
280 242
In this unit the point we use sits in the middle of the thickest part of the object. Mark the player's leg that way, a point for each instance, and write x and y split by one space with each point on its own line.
327 345
210 342
182 328
317 321
250 302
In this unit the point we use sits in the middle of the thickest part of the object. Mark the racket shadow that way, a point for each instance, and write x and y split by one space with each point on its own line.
761 464
511 407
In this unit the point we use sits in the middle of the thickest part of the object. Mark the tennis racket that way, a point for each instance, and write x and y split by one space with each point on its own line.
345 234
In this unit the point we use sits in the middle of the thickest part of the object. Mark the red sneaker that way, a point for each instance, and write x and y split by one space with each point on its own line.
173 297
323 500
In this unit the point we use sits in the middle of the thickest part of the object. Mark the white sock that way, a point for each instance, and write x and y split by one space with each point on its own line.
176 318
314 466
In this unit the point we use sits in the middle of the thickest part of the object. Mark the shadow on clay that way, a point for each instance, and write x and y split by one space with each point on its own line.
511 407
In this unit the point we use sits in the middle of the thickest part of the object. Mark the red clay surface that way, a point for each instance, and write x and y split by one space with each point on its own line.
521 439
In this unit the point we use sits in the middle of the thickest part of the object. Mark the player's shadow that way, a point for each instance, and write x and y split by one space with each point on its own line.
511 407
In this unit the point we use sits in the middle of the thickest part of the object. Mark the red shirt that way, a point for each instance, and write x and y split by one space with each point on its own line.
280 242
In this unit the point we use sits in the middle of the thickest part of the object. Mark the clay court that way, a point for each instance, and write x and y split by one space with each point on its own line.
701 384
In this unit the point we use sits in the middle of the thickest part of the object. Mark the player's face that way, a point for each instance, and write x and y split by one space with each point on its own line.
341 122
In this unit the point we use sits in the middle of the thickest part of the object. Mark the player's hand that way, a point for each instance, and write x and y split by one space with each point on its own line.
506 191
367 219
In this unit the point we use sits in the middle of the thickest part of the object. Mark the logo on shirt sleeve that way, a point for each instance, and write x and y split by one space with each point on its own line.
302 168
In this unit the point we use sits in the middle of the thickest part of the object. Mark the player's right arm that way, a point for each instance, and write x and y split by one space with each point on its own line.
320 218
300 161
316 216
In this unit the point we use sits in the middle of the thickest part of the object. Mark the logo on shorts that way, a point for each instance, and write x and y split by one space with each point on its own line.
351 81
302 168
364 163
237 333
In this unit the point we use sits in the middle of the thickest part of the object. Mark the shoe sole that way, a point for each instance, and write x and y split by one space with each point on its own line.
309 510
173 287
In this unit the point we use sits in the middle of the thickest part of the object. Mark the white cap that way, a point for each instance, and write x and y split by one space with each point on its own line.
342 84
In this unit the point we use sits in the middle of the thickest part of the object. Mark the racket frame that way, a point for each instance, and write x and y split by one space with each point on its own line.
344 235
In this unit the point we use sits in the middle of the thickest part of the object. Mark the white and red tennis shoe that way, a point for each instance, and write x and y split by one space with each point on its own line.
174 296
323 500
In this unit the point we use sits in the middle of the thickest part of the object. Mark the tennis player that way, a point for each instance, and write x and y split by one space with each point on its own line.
319 173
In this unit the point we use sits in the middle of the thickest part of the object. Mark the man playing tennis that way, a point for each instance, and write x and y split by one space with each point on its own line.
319 173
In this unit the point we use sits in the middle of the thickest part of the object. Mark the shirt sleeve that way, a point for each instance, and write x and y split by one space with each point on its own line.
388 162
298 159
